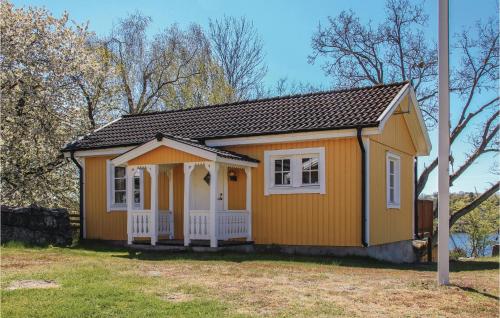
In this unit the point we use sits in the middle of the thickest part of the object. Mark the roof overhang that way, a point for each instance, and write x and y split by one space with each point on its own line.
174 144
423 148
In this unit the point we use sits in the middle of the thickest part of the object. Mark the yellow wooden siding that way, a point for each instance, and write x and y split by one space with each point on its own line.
391 225
331 219
99 223
164 155
236 190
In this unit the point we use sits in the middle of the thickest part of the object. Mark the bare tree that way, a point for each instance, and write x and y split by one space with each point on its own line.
238 49
146 67
355 54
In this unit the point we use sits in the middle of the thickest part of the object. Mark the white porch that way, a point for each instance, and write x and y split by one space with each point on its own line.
205 205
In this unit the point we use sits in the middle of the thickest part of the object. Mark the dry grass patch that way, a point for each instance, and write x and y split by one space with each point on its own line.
271 285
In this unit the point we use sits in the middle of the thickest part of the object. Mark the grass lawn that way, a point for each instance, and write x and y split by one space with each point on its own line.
96 281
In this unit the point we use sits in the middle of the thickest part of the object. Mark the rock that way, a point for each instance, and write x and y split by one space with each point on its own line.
36 225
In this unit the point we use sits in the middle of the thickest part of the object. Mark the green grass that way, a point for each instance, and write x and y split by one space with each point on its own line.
99 281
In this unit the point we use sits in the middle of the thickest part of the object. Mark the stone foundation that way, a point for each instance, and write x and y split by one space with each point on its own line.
36 225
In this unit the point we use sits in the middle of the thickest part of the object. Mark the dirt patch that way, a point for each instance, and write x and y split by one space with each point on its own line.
177 297
32 284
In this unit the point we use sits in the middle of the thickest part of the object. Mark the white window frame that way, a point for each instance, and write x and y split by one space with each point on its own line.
391 157
295 156
110 189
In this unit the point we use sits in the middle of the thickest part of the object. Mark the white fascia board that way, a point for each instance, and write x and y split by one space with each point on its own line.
99 152
421 121
153 144
291 137
236 162
386 114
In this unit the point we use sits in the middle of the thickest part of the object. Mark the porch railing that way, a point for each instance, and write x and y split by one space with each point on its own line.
142 223
166 223
230 224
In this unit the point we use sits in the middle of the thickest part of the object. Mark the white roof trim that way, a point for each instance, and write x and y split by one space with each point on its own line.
289 137
153 144
384 117
99 152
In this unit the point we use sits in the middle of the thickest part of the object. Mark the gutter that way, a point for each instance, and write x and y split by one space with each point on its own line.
415 199
363 186
80 169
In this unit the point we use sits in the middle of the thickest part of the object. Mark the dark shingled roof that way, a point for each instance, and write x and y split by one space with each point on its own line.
328 110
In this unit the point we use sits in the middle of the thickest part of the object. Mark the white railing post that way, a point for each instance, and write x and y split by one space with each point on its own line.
213 168
188 168
130 171
171 200
248 172
153 173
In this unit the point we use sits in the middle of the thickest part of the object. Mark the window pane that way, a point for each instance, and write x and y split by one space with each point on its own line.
314 163
314 177
119 172
119 184
391 167
306 164
278 165
119 196
305 177
286 164
137 197
286 177
391 195
391 180
137 183
277 178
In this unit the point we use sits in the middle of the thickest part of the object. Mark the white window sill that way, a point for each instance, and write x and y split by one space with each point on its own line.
295 190
393 206
122 208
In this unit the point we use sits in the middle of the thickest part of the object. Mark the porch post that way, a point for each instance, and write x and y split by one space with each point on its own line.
213 168
130 171
248 172
188 168
153 172
171 199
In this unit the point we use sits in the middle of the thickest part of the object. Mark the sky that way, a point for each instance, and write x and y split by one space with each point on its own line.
286 27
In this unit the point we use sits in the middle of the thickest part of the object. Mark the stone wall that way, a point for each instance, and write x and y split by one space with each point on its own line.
36 225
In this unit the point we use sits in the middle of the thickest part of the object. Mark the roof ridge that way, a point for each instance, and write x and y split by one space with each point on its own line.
268 99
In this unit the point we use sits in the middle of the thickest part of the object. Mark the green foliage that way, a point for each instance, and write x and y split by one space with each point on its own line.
479 224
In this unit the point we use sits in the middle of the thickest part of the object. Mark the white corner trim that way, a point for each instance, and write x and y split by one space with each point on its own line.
397 180
295 187
277 138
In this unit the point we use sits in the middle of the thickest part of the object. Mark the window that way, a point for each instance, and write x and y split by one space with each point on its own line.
294 171
310 170
117 188
393 180
282 173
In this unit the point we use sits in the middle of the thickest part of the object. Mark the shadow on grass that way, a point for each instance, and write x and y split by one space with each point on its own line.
361 262
473 290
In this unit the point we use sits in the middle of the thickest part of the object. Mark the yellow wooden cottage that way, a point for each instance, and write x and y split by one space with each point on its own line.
327 169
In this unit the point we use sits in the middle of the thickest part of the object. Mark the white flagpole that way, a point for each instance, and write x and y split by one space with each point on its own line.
444 144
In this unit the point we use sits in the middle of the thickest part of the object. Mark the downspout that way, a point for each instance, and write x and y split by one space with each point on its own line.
363 186
80 170
415 203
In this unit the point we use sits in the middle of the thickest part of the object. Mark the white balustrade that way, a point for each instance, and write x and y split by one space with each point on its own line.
166 223
198 225
141 223
230 224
